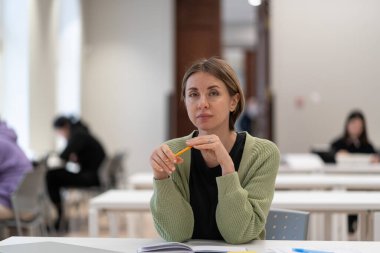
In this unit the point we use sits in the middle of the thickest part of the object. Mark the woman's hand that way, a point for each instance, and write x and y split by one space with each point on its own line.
163 162
214 151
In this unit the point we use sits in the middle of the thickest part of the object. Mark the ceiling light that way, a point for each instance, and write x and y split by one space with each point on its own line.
254 2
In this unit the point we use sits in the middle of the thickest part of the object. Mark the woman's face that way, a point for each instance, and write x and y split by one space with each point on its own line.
63 132
355 127
208 102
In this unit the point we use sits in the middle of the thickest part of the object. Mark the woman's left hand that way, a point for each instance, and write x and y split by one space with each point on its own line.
214 151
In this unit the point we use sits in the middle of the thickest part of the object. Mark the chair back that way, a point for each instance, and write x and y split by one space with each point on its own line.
286 225
28 198
111 171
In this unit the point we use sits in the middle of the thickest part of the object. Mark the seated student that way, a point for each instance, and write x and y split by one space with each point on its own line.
82 148
354 140
13 165
223 188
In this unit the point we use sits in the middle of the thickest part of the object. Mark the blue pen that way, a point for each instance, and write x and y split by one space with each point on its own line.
300 250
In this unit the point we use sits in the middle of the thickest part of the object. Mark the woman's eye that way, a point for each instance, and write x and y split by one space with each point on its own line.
193 94
213 93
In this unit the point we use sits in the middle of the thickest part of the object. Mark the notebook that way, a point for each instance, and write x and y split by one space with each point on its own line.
181 247
50 247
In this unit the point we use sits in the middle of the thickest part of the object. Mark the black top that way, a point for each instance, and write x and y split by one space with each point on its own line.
87 148
204 190
351 147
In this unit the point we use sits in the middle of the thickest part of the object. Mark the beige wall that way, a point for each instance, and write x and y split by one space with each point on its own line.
327 53
128 72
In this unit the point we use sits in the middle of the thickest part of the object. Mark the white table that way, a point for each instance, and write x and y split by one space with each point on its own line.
293 181
333 168
117 200
366 204
129 245
328 181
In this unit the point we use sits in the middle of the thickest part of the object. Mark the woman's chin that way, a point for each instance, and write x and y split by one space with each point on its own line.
205 127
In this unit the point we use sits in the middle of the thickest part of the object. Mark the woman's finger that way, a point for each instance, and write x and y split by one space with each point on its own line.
156 166
165 163
206 139
205 146
168 152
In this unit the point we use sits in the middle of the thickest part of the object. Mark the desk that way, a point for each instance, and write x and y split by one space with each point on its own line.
117 200
328 181
333 168
366 204
293 181
129 245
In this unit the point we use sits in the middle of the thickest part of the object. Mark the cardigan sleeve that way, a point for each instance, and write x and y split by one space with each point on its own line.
241 212
172 214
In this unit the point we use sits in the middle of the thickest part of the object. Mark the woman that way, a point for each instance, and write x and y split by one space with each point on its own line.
224 187
83 149
13 166
354 139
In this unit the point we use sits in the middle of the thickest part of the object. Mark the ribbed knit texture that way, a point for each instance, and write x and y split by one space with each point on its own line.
244 197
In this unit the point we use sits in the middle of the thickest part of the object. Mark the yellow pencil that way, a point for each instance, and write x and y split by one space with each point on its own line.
183 151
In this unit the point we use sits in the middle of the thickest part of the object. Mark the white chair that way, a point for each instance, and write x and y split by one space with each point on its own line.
28 203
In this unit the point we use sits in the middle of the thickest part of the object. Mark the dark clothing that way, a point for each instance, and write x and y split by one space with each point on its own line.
88 150
90 155
349 146
61 178
204 190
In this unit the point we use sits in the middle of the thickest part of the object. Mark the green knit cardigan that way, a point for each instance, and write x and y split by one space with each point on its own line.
244 197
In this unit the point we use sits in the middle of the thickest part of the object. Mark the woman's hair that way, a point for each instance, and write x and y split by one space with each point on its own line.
71 122
356 114
221 70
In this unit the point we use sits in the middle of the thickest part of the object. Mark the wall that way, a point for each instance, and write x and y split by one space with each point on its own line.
128 74
327 57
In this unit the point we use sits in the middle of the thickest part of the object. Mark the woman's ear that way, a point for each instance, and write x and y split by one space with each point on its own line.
234 101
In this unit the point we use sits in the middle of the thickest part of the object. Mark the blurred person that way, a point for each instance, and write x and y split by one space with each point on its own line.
248 118
354 140
13 165
223 187
82 149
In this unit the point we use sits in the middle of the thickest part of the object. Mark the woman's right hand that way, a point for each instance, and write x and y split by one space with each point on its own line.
163 162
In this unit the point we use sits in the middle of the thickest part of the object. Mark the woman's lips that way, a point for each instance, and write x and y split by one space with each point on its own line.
204 116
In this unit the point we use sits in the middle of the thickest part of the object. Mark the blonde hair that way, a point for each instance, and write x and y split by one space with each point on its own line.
221 70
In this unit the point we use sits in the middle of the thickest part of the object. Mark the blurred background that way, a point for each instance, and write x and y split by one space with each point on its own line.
118 64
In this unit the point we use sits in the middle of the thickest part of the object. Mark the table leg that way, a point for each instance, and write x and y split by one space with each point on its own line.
93 223
113 224
132 224
362 225
376 226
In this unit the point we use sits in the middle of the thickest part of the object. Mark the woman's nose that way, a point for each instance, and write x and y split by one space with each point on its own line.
203 102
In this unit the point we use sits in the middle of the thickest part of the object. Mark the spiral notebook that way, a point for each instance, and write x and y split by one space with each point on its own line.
181 247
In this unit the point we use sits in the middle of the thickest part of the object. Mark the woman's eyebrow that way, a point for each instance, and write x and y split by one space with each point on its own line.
213 86
192 89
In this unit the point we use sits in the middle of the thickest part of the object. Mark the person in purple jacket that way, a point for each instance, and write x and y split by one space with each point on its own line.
13 165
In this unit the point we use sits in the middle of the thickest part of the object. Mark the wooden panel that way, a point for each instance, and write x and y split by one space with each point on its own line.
197 36
250 74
